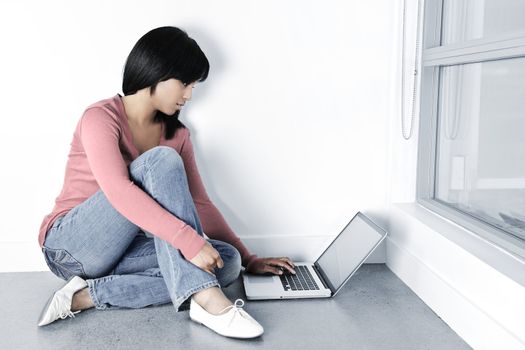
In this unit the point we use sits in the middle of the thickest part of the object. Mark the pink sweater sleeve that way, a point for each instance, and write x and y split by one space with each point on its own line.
99 133
212 221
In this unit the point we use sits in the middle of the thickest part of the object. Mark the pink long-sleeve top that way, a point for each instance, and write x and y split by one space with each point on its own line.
101 151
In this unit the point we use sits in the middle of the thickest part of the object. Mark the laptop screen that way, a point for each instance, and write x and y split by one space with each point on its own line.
349 250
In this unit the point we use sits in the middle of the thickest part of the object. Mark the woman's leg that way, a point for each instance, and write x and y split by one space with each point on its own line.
137 281
93 237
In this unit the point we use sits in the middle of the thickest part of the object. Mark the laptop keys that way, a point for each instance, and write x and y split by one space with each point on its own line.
302 280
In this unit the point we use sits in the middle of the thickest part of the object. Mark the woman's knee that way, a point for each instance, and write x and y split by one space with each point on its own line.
161 162
232 264
166 156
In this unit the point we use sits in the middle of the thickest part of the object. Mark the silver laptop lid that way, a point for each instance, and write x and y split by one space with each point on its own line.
348 251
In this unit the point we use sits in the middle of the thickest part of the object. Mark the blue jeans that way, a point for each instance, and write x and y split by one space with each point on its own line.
124 266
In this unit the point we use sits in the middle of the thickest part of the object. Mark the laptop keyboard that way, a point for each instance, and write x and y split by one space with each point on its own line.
302 280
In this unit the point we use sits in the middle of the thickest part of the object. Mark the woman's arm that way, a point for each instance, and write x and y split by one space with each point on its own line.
212 221
99 132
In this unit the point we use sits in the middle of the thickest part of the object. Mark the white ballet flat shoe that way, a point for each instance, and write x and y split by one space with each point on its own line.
236 323
59 305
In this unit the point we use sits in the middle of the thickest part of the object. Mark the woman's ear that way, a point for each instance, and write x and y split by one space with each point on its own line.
152 88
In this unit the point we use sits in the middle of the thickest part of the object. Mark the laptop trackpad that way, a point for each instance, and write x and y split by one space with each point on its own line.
260 279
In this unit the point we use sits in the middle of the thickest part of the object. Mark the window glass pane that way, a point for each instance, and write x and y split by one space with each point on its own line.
480 166
474 19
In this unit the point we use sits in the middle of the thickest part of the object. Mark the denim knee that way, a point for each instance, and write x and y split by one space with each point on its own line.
167 156
232 265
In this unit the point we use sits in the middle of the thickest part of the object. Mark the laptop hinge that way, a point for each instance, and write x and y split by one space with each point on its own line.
320 275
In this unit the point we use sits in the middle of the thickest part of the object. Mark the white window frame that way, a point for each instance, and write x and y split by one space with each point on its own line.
433 57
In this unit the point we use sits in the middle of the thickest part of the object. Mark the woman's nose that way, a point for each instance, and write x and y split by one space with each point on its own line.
187 95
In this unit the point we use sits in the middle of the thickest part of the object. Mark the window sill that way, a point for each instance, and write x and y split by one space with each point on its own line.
498 258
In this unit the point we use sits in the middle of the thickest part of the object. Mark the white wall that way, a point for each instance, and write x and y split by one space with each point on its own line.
290 129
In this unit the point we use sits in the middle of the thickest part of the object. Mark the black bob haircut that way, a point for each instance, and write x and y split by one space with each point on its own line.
161 54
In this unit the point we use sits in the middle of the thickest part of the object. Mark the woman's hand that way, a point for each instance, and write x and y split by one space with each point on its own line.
271 265
208 258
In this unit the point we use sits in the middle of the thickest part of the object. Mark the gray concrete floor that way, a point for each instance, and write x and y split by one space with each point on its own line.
375 310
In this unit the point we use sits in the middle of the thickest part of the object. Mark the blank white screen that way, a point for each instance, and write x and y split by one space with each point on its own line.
348 250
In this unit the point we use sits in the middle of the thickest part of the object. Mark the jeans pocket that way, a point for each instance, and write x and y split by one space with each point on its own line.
62 264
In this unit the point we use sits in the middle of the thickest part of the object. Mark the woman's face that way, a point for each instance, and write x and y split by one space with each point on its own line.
170 95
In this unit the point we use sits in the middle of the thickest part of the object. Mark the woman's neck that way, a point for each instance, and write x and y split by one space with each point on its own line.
138 108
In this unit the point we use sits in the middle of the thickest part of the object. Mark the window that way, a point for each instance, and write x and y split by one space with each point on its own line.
471 162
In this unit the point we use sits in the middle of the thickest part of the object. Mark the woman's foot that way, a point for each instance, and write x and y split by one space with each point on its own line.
212 300
231 321
81 300
59 305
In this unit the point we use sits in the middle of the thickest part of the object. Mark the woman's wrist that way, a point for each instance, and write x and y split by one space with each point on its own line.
253 259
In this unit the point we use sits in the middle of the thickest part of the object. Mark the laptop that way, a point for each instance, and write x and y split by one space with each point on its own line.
328 274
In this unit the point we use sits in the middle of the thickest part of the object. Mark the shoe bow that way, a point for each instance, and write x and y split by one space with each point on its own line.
238 311
68 313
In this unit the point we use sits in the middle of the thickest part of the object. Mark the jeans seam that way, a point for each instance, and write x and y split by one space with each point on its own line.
137 256
149 180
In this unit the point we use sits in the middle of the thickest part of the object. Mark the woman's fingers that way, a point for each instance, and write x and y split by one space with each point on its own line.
287 264
288 260
220 262
216 259
283 264
208 259
272 269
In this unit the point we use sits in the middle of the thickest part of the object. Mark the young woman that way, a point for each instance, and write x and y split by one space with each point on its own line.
127 229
